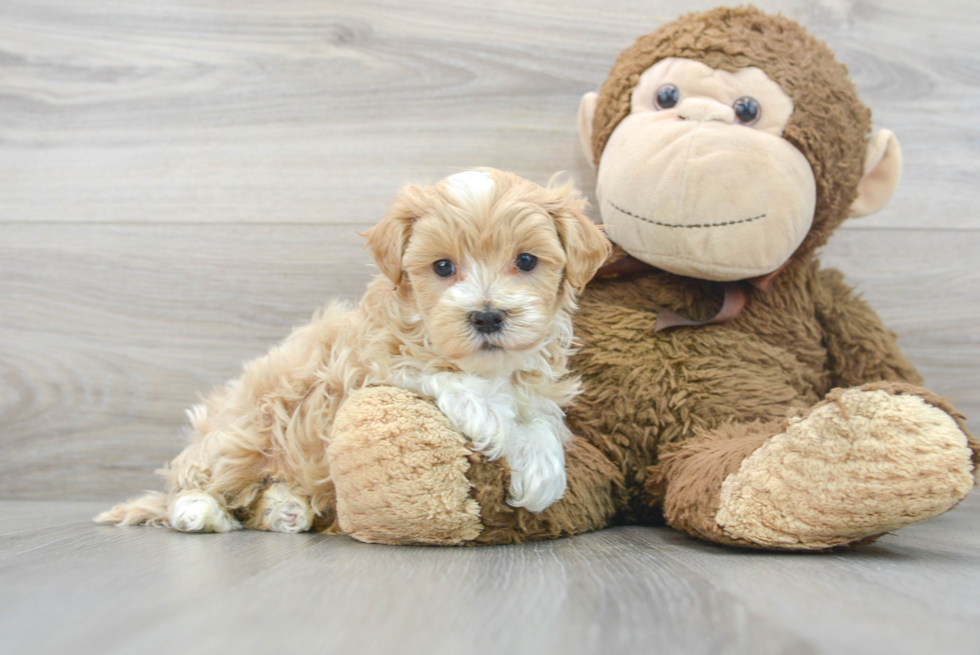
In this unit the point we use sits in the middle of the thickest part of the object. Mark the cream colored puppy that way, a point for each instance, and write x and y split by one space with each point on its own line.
473 308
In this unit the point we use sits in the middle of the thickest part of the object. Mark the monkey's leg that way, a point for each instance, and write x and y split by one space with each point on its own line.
403 475
861 463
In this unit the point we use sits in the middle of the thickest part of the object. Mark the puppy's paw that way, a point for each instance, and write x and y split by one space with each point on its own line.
291 516
197 511
485 415
537 467
280 510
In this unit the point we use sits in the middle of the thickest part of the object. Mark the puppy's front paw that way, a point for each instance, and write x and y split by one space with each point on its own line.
487 419
537 467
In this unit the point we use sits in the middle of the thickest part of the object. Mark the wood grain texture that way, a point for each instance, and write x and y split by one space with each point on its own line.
71 586
315 112
181 182
108 343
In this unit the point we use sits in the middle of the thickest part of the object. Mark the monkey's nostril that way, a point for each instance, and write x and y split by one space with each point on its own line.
487 322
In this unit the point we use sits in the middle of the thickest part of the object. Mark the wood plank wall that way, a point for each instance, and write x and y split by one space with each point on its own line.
182 181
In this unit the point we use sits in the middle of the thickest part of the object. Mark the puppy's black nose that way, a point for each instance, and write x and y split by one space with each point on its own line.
487 322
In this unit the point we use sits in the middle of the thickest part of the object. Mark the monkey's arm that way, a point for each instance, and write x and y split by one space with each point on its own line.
861 349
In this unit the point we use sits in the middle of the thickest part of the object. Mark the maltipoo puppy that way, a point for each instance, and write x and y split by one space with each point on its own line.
473 309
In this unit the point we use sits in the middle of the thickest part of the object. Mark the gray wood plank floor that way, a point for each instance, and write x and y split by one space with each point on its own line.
69 586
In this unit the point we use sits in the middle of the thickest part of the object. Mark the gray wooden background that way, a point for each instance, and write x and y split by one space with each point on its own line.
183 181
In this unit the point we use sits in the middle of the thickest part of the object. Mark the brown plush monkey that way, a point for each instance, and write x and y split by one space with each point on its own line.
729 145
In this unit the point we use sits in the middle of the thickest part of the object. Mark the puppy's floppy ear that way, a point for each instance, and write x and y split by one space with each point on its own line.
389 238
586 247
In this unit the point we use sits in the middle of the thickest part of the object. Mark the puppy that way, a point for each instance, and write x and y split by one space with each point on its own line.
473 307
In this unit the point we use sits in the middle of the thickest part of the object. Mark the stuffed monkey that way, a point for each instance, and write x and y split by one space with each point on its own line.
731 385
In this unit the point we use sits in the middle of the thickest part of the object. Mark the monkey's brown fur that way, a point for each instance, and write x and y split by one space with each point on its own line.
709 425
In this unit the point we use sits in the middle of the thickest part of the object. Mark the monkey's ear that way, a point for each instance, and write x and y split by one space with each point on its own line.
388 239
882 168
586 114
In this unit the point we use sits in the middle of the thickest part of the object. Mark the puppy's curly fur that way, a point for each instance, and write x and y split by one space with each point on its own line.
259 444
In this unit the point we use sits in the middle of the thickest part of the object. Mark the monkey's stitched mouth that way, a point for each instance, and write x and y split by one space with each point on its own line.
662 224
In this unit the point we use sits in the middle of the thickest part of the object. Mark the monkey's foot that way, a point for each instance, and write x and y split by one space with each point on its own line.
399 469
861 463
404 475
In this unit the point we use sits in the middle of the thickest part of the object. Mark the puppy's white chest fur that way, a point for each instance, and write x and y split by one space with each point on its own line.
526 429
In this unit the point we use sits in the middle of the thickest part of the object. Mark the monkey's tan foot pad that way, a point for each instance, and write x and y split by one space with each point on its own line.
399 469
859 464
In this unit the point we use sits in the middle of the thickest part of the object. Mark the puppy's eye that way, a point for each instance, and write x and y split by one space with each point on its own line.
444 268
667 96
747 110
526 261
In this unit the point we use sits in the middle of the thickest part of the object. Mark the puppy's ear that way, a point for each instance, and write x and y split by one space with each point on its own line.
388 239
586 247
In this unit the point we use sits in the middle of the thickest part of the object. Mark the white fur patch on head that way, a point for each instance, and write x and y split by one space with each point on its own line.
470 185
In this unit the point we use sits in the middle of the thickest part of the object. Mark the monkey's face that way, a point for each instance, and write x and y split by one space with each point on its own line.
697 179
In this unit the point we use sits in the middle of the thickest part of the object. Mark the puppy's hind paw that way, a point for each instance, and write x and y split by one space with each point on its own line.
292 516
197 511
279 510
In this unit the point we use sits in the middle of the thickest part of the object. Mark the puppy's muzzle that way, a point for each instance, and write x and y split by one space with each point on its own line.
487 322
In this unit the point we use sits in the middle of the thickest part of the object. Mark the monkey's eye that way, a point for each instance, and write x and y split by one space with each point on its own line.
526 261
444 268
747 110
667 96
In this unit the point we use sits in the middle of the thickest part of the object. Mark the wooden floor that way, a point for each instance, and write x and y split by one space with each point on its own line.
69 586
183 181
